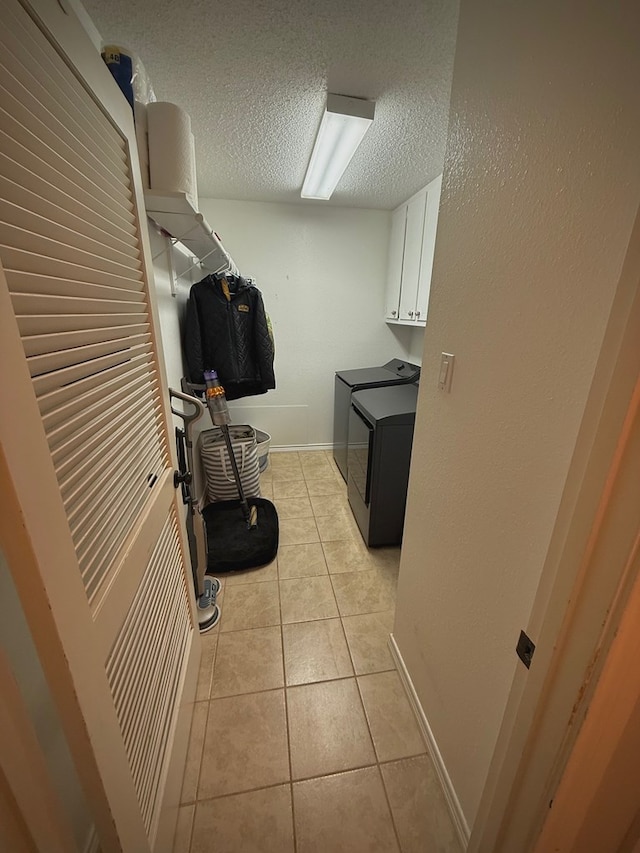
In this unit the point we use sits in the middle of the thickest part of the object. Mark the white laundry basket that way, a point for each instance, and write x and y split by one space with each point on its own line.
263 440
221 484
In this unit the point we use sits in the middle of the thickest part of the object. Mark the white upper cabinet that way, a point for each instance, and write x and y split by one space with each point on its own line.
396 256
412 255
428 245
411 249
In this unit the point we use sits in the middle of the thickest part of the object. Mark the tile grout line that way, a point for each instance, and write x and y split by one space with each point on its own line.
300 683
291 782
206 722
386 796
378 762
355 676
286 687
378 765
286 719
204 739
191 829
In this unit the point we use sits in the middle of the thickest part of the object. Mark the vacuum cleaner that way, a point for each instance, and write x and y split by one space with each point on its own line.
225 536
241 534
206 588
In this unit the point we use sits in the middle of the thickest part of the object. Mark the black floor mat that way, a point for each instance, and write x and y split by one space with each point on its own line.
231 546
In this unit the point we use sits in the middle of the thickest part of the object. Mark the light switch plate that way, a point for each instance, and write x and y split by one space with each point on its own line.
446 371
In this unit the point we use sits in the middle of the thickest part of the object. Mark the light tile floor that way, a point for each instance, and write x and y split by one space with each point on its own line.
302 737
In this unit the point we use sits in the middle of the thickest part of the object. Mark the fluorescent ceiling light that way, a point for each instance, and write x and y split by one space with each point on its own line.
344 124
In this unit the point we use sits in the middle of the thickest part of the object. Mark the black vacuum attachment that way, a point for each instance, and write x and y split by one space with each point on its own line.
231 546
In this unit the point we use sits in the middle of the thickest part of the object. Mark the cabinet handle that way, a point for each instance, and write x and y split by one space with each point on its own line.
393 313
417 315
411 313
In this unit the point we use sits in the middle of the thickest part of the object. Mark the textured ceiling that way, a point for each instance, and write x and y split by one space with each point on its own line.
253 75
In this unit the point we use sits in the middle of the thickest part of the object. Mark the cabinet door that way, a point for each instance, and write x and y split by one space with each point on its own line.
412 254
428 247
396 254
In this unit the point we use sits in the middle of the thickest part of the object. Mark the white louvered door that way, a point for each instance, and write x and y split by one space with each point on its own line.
91 526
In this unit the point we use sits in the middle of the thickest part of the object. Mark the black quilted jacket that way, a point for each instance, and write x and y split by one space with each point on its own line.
230 336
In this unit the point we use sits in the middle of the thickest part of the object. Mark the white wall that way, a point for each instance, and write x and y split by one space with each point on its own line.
17 644
321 270
541 186
171 307
415 345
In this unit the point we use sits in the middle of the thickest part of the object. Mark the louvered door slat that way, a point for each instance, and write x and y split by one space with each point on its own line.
98 561
49 381
31 131
68 420
59 341
150 724
39 304
94 460
169 687
62 419
153 679
116 458
47 285
46 84
108 479
44 123
51 402
49 245
145 725
19 260
151 781
61 359
39 325
59 242
89 429
55 187
83 222
110 511
136 671
68 230
102 558
62 81
78 464
22 145
84 505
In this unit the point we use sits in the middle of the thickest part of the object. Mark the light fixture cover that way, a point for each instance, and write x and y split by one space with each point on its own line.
343 126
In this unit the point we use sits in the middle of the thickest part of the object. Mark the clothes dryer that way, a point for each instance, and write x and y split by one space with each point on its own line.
394 372
379 455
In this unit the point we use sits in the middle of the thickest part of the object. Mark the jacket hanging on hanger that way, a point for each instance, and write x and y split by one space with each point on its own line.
227 330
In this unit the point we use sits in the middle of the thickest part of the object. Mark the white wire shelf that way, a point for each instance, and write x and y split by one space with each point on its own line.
176 215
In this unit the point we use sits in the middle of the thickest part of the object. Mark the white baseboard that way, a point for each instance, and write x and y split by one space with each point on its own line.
446 784
283 448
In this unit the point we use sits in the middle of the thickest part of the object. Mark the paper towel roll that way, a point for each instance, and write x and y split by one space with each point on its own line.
171 154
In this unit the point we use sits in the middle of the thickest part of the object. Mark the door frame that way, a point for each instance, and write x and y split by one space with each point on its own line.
596 804
577 604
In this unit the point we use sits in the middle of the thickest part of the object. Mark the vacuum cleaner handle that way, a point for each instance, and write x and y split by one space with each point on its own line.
189 419
200 557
